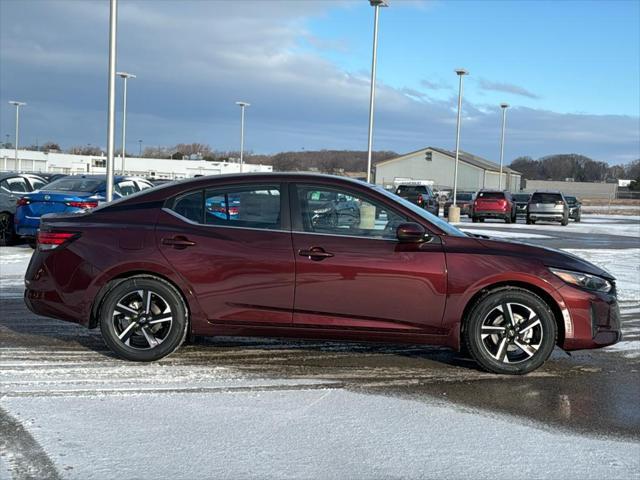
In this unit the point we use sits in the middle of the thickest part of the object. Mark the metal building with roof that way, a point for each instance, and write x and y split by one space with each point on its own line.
436 166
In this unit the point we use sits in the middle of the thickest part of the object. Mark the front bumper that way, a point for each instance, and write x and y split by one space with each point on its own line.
592 319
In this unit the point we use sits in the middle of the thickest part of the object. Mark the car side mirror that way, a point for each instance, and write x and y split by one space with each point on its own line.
411 233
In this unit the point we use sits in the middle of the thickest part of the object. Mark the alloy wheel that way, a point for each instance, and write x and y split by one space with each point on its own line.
142 319
511 333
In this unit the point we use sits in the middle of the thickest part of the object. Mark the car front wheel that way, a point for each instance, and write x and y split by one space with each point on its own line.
143 319
510 331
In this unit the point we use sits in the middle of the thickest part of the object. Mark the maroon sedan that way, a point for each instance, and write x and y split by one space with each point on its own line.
156 266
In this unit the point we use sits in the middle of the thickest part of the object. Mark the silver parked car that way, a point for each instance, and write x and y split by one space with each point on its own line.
12 187
549 206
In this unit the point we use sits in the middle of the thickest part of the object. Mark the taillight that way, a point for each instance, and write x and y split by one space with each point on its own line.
420 199
23 202
84 205
503 203
51 240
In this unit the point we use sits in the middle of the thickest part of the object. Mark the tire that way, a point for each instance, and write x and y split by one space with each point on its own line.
475 219
529 221
565 221
7 230
508 219
577 219
123 314
525 347
481 219
32 242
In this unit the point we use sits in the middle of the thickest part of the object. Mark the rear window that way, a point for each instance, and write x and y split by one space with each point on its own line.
521 197
69 184
491 195
546 198
463 197
412 189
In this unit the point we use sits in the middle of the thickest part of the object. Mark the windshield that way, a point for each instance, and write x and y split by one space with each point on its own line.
78 184
437 221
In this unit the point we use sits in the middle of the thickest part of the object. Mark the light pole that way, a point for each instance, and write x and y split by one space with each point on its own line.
242 107
454 211
111 115
376 4
125 76
140 148
17 104
504 107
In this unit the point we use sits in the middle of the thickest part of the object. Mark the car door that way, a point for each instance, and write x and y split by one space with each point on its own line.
232 246
358 275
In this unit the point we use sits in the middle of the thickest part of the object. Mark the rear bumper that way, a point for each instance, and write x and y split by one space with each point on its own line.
26 226
546 216
491 213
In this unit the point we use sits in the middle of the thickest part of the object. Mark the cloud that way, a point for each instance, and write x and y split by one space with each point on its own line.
431 85
195 59
485 84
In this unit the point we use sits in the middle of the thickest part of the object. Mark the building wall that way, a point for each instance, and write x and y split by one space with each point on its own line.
440 171
29 161
578 189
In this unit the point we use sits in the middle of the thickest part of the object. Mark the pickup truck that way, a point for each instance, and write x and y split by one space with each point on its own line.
421 195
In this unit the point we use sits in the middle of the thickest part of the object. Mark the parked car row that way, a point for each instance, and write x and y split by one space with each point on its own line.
25 198
507 206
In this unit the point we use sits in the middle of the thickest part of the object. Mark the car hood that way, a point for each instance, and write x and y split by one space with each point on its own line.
550 257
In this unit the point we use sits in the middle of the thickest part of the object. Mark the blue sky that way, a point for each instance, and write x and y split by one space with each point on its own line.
570 70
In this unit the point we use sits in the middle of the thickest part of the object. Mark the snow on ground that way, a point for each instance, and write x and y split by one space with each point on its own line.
329 434
609 225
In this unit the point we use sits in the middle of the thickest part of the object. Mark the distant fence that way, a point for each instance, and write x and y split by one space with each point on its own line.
578 189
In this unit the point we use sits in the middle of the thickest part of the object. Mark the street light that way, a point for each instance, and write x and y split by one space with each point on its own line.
242 106
376 4
504 107
17 104
125 76
140 148
454 211
111 102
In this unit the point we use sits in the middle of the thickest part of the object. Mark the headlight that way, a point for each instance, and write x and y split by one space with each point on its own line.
583 280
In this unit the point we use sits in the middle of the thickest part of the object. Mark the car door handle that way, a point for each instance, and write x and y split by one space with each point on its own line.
315 253
178 242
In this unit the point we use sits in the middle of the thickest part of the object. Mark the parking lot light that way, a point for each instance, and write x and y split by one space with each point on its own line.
376 4
504 107
125 76
454 211
242 106
17 104
111 110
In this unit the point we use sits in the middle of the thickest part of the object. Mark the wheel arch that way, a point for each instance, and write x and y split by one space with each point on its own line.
112 283
540 292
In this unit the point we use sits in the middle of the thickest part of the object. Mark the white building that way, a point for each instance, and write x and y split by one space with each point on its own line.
437 164
49 162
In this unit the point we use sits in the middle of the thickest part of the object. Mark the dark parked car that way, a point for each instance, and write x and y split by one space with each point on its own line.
522 200
575 208
152 268
548 206
12 187
494 204
464 200
70 194
421 195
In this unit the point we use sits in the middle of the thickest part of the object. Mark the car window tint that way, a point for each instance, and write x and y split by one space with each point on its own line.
521 197
126 187
189 206
143 185
335 212
36 183
546 198
246 206
465 197
412 189
491 195
15 184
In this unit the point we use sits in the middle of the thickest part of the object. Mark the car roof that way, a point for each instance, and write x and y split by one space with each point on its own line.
548 191
116 178
4 175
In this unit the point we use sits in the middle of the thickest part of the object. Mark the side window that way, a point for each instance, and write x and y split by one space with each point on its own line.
15 184
189 206
36 183
143 185
244 206
336 212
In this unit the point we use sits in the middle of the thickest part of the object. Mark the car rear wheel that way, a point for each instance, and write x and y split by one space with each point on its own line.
143 319
565 221
510 331
508 219
577 219
530 222
7 232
